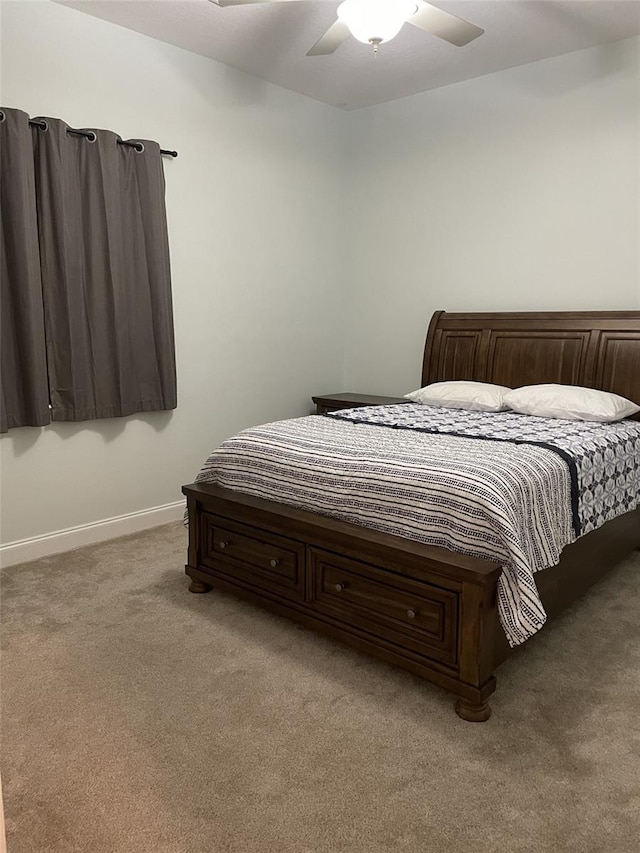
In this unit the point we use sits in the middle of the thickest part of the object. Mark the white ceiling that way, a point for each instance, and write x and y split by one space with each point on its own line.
270 41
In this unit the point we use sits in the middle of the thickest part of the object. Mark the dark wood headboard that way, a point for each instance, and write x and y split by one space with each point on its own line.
595 349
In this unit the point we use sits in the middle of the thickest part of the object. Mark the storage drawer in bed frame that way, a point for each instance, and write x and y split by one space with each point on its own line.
252 557
414 615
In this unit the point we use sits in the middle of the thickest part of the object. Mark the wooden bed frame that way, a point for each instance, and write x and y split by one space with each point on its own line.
426 609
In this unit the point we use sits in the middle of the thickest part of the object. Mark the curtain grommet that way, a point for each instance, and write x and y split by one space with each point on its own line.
139 147
91 136
3 116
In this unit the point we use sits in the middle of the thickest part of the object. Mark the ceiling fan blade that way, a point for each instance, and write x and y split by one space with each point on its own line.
246 2
444 25
331 40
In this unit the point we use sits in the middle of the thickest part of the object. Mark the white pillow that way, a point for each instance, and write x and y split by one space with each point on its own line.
474 396
570 402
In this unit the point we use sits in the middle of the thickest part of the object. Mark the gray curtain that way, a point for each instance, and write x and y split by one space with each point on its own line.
24 398
106 284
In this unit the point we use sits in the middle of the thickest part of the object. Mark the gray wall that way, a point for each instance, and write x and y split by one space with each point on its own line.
515 191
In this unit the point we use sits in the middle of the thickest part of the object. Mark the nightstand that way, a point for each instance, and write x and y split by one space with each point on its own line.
347 400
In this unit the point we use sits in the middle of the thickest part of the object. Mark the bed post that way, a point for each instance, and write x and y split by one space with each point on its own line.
476 647
196 585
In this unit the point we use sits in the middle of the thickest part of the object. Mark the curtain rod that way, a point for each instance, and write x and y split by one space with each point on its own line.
91 136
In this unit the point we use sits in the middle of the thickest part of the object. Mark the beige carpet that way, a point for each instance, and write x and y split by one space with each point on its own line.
138 717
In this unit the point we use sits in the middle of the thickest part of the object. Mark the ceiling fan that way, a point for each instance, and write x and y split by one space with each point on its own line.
376 21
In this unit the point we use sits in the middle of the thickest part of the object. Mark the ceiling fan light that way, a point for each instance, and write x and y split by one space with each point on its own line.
375 21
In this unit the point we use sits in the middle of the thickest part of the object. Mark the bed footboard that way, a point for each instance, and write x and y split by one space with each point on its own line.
425 609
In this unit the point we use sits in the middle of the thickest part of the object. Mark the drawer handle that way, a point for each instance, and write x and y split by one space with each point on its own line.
412 614
224 544
339 587
274 563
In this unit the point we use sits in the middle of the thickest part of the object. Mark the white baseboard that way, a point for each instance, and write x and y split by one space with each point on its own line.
86 534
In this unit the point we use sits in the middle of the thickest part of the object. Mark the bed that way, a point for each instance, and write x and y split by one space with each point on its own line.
427 609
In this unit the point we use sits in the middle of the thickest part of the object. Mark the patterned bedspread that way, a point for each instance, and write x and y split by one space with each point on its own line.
505 487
